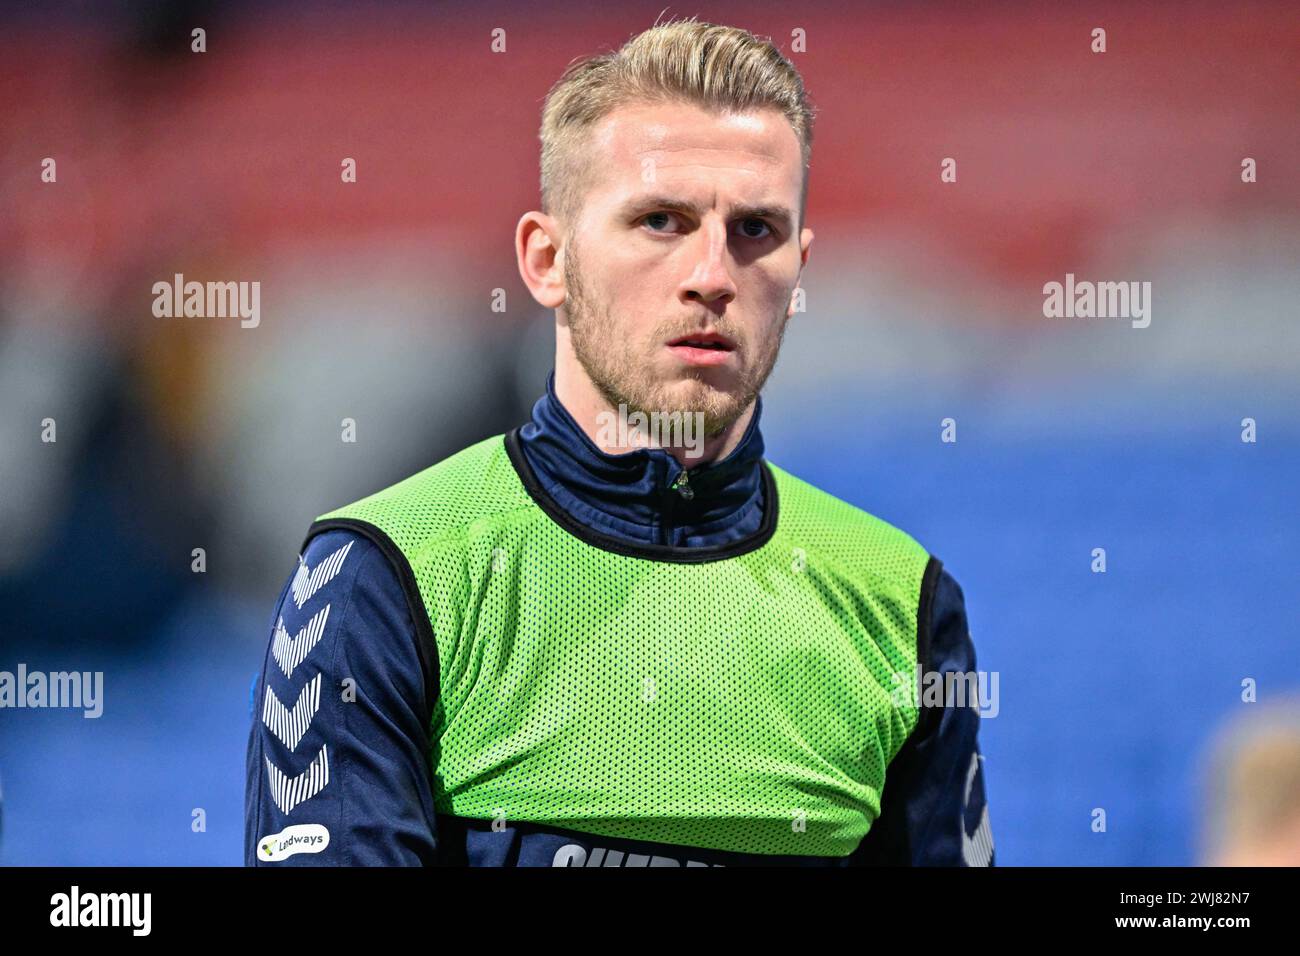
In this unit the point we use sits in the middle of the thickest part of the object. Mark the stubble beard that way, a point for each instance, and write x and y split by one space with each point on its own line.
624 378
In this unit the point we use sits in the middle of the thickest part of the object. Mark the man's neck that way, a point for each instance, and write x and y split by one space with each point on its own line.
589 408
639 495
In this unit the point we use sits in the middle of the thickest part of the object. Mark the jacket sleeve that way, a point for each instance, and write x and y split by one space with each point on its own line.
337 769
933 810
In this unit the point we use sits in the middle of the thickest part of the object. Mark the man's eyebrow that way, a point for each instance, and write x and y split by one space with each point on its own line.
737 211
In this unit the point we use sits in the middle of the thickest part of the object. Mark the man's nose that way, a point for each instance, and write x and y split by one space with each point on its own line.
710 279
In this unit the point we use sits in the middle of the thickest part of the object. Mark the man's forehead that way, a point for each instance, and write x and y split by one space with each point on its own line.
686 143
683 133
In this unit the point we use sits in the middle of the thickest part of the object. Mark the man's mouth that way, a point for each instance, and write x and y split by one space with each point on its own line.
705 340
702 348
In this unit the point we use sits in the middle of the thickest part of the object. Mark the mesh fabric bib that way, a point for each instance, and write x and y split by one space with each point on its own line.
743 702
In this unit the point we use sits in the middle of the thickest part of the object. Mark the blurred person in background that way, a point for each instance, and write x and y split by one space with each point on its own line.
1252 815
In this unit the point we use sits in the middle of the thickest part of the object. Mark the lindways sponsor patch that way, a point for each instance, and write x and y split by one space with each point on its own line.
299 838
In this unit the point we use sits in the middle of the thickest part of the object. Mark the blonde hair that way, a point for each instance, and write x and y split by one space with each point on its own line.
717 67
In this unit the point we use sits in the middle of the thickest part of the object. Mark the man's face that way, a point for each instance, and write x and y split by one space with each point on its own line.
688 232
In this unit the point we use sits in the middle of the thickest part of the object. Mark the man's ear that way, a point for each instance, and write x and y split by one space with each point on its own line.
805 245
538 252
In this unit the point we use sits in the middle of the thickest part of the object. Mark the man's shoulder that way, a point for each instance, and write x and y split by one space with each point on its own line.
851 534
477 482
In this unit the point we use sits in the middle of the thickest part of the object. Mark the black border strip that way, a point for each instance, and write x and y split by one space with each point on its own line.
653 552
426 647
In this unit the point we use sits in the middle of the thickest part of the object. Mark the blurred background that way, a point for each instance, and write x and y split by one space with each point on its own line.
924 303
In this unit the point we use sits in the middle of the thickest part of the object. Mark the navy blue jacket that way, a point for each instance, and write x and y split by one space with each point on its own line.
339 740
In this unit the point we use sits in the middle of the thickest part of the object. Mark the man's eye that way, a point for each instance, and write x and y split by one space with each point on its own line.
749 228
654 217
745 225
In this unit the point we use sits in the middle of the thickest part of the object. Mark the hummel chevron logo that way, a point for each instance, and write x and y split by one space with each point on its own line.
306 583
977 847
290 725
288 651
288 793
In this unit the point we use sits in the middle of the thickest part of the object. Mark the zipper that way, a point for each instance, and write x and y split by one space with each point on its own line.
681 485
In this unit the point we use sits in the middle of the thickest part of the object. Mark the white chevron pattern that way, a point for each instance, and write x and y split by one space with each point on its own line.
288 651
306 583
290 725
977 847
288 793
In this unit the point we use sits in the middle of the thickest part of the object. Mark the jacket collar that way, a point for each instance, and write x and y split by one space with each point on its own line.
630 496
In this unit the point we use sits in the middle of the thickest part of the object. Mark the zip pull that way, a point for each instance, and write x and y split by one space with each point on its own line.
683 485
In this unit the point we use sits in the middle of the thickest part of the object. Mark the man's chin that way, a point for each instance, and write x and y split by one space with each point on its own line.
692 391
720 404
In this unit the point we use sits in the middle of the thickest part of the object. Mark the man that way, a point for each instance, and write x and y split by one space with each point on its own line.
575 646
